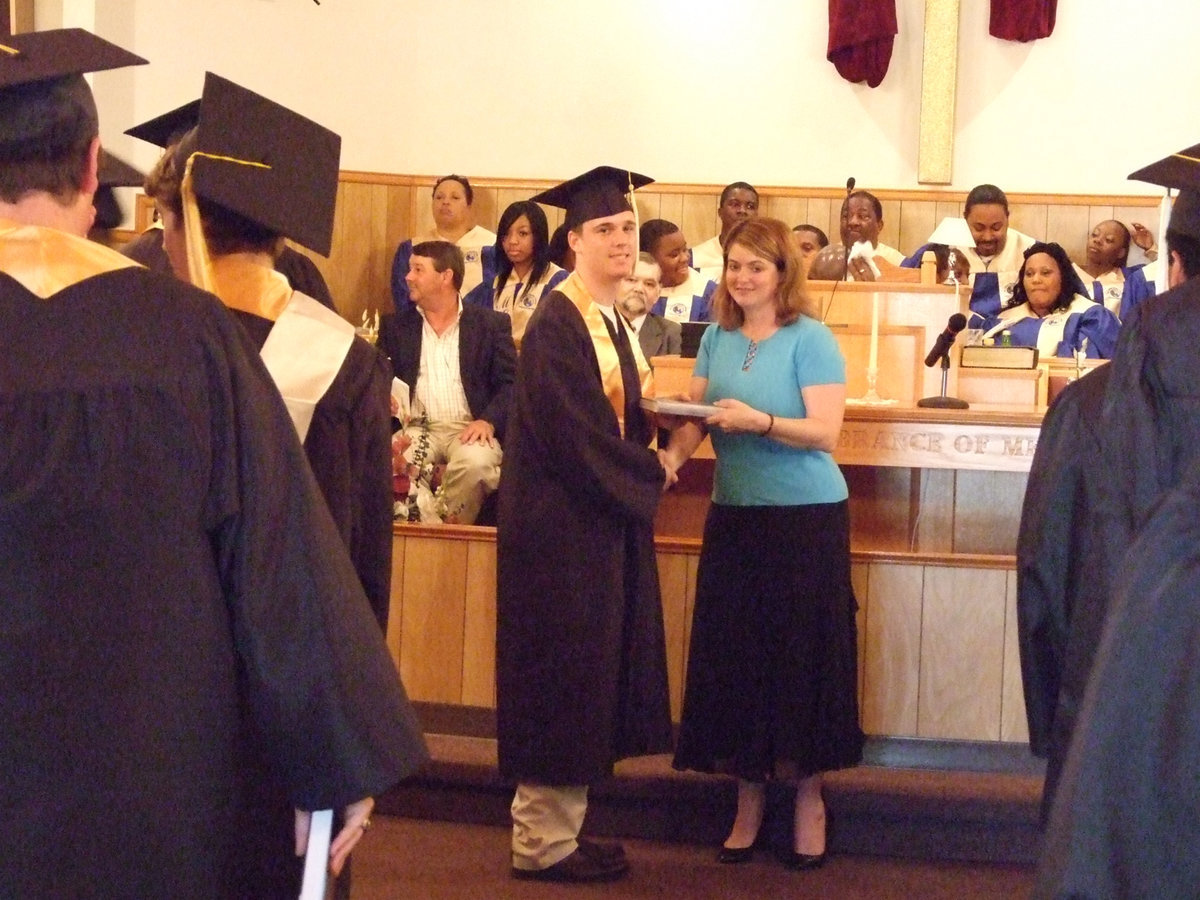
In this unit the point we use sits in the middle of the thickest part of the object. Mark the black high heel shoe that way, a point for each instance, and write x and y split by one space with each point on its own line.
802 862
735 855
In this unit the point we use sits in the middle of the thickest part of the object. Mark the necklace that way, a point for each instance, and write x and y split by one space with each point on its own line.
751 353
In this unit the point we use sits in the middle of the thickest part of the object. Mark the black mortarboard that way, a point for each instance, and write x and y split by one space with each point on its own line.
115 172
167 129
594 195
266 163
38 71
1180 171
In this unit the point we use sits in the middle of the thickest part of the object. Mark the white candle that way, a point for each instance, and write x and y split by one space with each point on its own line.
873 363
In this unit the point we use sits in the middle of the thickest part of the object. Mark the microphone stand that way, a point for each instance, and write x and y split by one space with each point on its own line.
944 402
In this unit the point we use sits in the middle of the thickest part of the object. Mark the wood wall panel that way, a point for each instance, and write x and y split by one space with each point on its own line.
989 511
892 655
937 645
1014 726
673 581
479 626
433 618
961 654
1070 225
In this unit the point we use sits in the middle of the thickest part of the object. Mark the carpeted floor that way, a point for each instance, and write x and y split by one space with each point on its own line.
410 858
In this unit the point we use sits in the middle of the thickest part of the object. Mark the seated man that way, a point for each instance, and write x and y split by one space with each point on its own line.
862 220
739 201
459 363
657 335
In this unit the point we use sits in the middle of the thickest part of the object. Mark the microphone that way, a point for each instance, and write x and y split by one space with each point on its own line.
850 185
945 340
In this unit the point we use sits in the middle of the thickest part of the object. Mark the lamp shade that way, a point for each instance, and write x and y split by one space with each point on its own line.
953 231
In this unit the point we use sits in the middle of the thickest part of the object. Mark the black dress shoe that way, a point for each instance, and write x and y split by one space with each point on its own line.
603 850
578 866
735 855
803 861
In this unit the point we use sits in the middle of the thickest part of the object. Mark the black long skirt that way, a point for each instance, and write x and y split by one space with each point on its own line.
772 676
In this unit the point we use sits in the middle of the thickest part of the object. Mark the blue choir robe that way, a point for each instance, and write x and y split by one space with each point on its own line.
690 301
1061 333
1119 290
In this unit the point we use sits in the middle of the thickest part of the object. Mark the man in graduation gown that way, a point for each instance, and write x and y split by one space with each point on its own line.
580 652
173 589
335 384
1150 423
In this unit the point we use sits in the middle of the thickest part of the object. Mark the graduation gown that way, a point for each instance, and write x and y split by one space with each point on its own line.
348 446
1061 589
174 590
1126 822
580 655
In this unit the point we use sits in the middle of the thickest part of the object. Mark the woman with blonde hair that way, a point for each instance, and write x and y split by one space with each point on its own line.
771 681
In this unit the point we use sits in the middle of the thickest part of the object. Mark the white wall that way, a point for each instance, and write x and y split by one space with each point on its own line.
683 90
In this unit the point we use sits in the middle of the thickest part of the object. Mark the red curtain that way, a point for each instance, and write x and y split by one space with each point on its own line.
1022 20
861 33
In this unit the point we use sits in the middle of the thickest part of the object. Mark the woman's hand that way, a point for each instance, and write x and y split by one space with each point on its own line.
736 417
1142 236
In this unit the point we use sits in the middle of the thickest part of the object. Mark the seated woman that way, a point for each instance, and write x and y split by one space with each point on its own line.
686 294
523 268
997 256
1049 310
454 222
1119 286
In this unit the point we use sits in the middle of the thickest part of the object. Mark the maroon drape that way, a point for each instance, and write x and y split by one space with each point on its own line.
861 33
1022 20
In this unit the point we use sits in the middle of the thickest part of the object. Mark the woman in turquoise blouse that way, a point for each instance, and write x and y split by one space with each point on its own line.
772 668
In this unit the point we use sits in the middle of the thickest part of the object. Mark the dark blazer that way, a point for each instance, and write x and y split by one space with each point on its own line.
486 353
659 336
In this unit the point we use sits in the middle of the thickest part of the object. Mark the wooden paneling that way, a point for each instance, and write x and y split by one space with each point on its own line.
479 626
936 633
961 654
432 619
1014 726
892 655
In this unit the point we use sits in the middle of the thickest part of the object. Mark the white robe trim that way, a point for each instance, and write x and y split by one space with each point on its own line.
304 352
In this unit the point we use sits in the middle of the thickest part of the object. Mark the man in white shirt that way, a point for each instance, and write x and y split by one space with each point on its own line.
459 363
862 220
739 201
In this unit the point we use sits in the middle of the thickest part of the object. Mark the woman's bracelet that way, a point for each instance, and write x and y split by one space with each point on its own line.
770 426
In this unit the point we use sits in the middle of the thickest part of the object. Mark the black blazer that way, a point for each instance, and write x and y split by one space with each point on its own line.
486 353
659 336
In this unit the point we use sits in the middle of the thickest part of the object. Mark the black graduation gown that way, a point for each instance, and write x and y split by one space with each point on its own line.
169 573
580 654
1126 821
349 449
1062 590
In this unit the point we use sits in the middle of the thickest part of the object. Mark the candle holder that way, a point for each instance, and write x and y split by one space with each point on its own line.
871 397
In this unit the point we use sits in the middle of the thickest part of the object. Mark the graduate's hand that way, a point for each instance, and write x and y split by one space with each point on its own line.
357 819
736 417
479 432
670 469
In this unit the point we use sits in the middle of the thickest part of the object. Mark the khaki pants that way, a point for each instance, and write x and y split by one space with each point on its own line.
546 822
472 470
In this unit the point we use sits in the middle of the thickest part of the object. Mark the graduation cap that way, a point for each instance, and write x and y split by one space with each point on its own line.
40 70
167 129
1180 171
593 195
113 172
266 163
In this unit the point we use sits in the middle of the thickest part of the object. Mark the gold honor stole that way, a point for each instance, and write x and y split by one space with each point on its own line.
308 343
606 351
46 260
